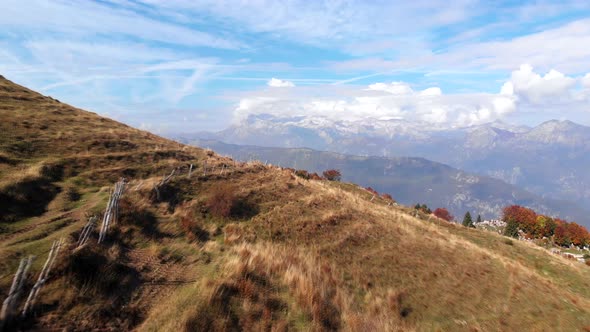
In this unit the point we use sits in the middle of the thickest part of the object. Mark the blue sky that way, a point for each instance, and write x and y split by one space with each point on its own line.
202 65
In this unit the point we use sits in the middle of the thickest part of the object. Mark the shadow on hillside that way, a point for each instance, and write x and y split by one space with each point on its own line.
144 219
26 199
101 277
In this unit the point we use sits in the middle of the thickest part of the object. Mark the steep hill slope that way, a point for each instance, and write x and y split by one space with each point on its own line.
244 246
409 180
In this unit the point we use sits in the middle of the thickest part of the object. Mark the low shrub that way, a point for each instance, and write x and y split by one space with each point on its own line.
303 174
388 197
332 175
193 230
224 203
315 176
372 191
443 214
72 194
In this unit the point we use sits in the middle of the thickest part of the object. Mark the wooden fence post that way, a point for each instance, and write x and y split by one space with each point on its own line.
112 210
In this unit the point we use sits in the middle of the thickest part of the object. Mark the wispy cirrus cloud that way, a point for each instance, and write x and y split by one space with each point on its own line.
89 18
562 47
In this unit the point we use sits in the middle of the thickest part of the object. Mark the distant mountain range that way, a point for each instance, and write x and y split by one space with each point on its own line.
550 160
409 180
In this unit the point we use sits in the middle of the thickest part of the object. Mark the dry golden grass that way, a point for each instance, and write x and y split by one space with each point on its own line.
27 173
307 255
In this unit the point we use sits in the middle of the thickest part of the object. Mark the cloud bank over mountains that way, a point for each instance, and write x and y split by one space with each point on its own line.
399 100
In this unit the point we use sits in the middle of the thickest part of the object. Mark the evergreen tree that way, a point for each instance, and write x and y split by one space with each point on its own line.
425 209
511 228
467 222
478 218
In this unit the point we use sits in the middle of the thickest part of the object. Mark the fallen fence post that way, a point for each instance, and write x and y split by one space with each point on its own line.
138 186
162 182
55 247
9 304
85 234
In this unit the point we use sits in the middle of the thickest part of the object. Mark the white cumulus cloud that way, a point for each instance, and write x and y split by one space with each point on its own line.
526 83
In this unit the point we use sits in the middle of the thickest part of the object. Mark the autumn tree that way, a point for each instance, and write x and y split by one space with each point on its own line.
332 174
443 214
561 236
526 219
538 226
578 234
545 226
467 221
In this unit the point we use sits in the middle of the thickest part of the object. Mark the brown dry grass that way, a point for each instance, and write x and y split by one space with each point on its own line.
306 255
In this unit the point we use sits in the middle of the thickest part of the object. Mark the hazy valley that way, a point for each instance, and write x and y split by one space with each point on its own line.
549 160
409 180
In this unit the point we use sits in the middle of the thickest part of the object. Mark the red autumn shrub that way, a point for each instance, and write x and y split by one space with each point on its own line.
372 191
387 197
302 174
443 214
315 176
332 174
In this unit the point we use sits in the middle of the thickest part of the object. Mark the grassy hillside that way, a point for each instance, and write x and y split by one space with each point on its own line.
244 246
